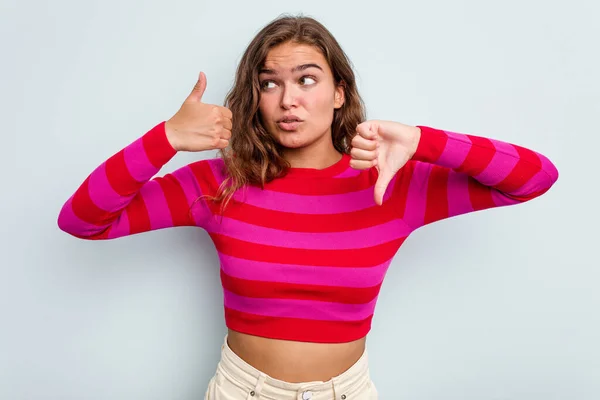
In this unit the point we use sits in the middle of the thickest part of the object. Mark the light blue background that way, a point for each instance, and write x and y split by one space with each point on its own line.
495 305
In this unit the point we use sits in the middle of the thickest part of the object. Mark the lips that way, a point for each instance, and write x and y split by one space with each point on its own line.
289 123
290 118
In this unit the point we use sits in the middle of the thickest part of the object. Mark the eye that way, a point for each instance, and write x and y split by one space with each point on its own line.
309 78
264 84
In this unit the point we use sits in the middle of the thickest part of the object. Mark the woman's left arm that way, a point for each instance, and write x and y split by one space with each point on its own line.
454 173
439 174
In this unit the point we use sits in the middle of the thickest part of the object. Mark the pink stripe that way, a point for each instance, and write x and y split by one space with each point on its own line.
326 204
302 274
305 204
543 179
456 150
550 169
500 199
501 165
349 173
156 204
138 164
414 215
306 309
459 201
71 223
101 192
537 182
121 227
360 238
191 189
217 166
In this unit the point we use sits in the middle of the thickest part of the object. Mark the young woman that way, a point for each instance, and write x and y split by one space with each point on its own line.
306 204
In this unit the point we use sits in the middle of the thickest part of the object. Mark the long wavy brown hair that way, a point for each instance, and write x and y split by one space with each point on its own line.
253 156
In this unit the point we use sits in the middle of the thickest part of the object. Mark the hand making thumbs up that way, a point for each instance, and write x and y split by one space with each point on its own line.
198 126
386 145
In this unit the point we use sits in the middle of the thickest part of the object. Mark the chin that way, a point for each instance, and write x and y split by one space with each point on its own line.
293 141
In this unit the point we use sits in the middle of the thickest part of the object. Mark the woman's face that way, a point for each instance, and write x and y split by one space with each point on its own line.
298 95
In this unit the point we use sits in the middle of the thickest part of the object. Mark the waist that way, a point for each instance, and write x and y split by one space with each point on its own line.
294 361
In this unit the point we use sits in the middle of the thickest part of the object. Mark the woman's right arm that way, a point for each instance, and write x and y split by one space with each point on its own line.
120 198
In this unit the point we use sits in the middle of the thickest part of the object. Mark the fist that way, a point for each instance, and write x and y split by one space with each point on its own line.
385 145
198 126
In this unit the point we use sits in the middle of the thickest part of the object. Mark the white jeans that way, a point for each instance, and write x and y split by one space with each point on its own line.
235 379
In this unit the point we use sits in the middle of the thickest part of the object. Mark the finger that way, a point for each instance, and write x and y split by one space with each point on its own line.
384 179
227 124
226 112
226 134
365 144
361 154
366 131
199 88
362 164
222 144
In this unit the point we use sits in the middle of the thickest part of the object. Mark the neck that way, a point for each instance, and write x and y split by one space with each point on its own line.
319 155
309 159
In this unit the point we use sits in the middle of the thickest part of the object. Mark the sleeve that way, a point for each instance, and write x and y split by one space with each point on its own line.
121 197
454 173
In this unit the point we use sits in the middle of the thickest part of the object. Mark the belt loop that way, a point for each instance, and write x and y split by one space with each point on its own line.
255 394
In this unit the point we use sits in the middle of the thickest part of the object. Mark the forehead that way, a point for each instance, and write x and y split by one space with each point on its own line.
288 55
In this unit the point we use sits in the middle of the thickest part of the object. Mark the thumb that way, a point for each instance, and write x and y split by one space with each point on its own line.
384 179
199 88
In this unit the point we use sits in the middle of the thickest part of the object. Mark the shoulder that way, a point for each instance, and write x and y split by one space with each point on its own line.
212 170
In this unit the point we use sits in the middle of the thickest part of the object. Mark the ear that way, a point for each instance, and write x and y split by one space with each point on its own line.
339 98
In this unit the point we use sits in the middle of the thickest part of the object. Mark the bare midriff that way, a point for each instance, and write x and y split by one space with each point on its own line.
293 361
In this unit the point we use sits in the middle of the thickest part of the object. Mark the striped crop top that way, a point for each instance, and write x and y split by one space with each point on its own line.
304 258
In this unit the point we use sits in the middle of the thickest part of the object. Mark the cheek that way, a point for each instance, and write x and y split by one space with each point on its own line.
320 103
265 106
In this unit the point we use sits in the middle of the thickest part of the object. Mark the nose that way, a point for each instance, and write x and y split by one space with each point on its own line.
289 97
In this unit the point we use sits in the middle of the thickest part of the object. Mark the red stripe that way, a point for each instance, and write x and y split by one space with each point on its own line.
307 187
480 195
400 193
281 290
528 165
119 177
366 257
480 155
137 213
431 144
85 209
437 195
296 328
176 200
157 146
208 183
295 222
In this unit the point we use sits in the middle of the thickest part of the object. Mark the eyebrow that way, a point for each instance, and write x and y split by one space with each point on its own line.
297 68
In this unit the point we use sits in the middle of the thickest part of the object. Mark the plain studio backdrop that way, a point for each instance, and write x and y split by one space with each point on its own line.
500 304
